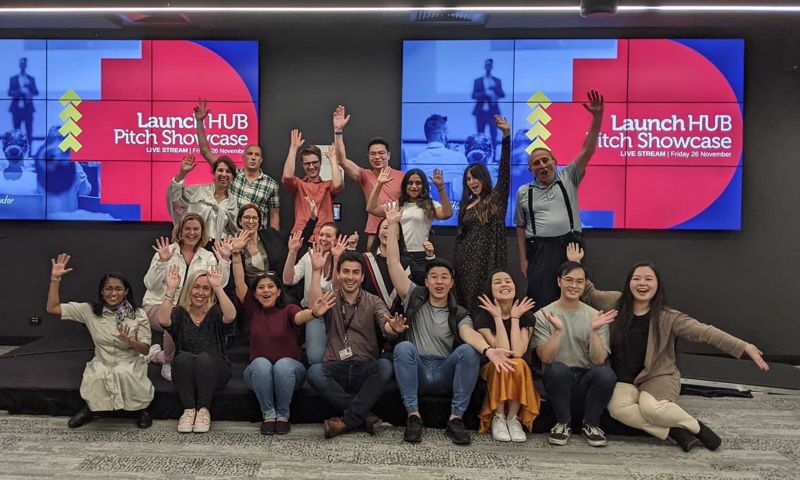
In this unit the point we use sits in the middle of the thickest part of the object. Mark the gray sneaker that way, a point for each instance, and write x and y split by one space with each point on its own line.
594 436
559 435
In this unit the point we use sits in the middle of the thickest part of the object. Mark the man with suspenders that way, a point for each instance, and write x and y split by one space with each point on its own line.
547 214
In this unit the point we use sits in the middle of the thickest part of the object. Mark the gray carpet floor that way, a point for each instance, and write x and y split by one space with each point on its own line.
761 440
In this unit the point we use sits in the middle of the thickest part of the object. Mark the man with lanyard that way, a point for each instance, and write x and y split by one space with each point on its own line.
250 185
547 214
441 350
352 376
378 156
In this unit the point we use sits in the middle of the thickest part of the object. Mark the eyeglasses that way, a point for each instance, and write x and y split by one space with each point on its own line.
266 274
250 218
378 154
113 289
573 281
311 164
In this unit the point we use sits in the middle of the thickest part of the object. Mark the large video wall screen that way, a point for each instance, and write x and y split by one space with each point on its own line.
670 149
96 129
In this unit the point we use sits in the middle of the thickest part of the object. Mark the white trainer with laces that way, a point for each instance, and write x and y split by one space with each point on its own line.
499 429
515 429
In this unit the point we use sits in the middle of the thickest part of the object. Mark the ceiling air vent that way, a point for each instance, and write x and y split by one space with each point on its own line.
448 17
157 19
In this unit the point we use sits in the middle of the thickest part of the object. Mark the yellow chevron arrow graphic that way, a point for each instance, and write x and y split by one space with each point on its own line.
70 127
70 112
70 142
539 115
538 143
70 96
539 98
538 130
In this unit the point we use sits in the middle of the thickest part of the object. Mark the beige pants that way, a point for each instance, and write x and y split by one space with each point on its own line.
641 410
169 344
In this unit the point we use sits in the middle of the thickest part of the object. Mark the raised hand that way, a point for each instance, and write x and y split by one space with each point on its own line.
502 124
312 206
296 139
428 247
438 178
173 278
756 355
331 152
340 119
385 176
323 304
556 322
393 212
125 335
574 252
491 307
223 248
520 307
214 276
595 105
338 248
59 265
240 241
318 257
501 358
603 318
352 241
187 164
295 241
162 249
200 110
397 323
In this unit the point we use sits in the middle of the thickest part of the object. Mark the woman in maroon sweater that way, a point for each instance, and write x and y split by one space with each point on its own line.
275 371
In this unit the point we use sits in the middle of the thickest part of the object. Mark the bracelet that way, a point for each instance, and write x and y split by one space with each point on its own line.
170 297
55 279
338 132
483 353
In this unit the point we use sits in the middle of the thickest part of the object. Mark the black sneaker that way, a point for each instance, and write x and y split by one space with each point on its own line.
413 433
267 428
81 418
282 427
457 433
594 436
559 435
710 439
372 424
683 438
144 420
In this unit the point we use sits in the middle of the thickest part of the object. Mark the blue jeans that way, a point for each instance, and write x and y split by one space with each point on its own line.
352 387
315 340
564 385
275 384
456 373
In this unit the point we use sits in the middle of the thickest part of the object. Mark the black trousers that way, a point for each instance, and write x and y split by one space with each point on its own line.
197 376
545 255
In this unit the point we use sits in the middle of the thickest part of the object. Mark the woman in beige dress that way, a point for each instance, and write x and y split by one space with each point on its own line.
116 378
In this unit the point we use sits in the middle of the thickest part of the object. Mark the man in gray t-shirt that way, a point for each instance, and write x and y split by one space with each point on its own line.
440 352
546 211
572 339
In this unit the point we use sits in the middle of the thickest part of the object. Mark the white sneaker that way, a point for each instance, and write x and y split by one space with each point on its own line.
166 371
499 429
515 429
186 422
151 356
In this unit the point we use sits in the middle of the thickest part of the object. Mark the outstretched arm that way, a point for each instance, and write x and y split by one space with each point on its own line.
595 107
373 205
215 282
340 121
200 114
294 145
397 273
57 271
446 210
172 280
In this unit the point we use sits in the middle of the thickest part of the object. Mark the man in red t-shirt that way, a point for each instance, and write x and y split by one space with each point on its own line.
311 187
379 156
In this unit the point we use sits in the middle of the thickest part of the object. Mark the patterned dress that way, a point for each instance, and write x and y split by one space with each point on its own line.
480 247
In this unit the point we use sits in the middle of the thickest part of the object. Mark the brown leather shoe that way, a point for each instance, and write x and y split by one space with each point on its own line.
372 424
334 427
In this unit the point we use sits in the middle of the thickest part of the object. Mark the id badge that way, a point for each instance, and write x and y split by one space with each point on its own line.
345 353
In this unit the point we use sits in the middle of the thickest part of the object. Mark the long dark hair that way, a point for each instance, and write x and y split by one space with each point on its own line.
625 306
401 242
97 307
281 301
484 209
424 201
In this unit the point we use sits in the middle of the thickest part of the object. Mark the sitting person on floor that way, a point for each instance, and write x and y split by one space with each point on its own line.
116 378
507 322
197 324
571 340
439 351
643 356
275 371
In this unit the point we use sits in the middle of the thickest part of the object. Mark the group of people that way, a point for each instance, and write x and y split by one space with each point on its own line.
394 312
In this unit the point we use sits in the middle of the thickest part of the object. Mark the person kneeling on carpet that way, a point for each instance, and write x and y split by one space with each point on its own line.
197 324
116 378
275 371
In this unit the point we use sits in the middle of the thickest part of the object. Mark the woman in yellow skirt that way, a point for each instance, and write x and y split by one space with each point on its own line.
507 322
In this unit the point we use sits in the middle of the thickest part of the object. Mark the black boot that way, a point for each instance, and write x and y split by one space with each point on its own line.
710 439
81 418
683 438
144 420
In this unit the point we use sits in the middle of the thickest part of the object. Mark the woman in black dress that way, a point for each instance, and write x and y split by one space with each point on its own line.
480 246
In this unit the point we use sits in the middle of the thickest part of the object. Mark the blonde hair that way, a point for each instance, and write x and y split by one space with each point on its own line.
176 232
185 300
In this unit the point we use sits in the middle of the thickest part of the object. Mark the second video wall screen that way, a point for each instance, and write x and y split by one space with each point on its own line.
670 149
